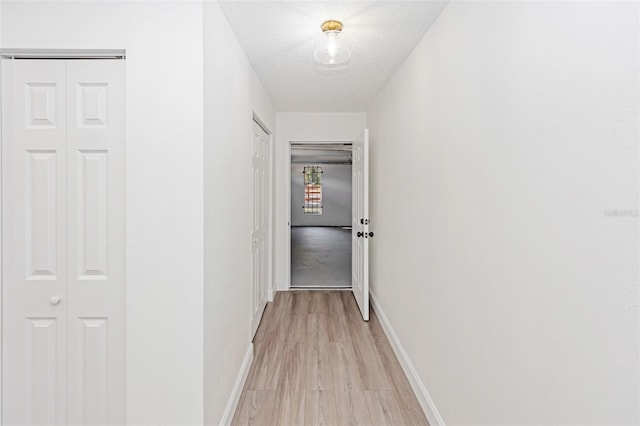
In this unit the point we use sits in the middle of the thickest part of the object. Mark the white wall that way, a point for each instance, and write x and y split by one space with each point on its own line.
336 196
164 101
301 127
503 141
232 93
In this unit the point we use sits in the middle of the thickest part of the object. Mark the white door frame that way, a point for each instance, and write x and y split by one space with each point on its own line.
270 241
287 259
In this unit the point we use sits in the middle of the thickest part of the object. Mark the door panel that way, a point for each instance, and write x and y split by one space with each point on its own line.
35 197
96 242
360 223
92 372
41 214
92 229
41 371
41 105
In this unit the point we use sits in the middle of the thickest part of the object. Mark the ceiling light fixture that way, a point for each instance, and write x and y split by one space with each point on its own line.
332 48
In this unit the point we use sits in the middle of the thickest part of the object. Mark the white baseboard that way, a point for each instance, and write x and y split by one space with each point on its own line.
230 410
429 408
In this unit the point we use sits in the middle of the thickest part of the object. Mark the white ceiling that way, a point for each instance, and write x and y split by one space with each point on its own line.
278 37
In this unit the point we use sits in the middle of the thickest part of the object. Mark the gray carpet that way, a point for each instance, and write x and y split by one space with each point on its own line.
320 257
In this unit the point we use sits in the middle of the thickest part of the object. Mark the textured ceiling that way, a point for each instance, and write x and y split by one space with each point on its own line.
279 36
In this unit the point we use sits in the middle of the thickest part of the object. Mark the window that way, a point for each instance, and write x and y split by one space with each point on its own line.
312 190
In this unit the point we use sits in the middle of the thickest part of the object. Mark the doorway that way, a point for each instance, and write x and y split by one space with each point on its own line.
320 200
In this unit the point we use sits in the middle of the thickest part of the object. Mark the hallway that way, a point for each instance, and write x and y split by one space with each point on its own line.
502 177
316 362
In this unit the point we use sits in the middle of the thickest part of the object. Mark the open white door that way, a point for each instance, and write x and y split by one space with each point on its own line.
360 223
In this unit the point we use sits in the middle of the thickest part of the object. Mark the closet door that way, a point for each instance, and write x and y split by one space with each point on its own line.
35 253
64 244
96 242
260 230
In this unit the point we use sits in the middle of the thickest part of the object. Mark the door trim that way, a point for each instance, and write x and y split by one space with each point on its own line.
63 54
287 260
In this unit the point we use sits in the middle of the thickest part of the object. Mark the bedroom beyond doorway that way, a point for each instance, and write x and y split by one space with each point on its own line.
321 215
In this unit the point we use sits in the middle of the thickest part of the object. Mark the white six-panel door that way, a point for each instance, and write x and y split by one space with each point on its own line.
360 222
260 232
64 242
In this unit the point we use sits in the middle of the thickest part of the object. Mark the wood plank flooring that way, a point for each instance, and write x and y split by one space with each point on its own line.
316 362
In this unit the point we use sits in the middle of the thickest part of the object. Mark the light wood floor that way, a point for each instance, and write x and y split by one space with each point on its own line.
316 362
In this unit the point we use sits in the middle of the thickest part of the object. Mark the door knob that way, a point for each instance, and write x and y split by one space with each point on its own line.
360 234
54 300
370 234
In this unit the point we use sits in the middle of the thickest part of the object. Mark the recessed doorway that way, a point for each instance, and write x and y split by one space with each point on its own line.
321 197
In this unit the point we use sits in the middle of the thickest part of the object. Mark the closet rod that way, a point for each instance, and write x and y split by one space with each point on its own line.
62 53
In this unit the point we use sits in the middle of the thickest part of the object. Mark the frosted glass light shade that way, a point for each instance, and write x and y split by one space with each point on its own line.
332 48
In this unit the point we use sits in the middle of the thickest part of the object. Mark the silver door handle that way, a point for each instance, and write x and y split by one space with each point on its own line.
54 300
